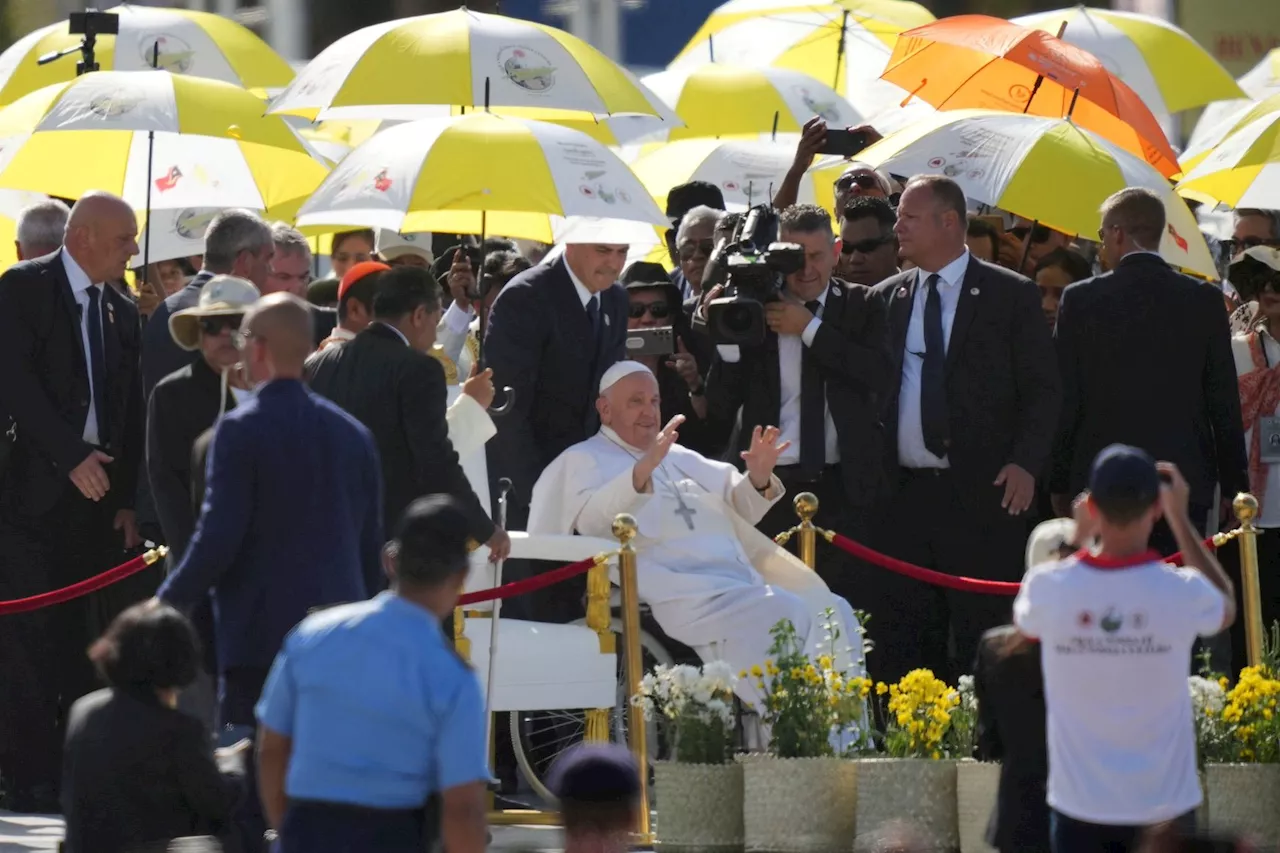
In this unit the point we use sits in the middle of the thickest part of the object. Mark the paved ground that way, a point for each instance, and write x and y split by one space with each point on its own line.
21 833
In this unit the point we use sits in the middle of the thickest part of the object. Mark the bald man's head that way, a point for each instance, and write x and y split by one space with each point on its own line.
278 337
102 235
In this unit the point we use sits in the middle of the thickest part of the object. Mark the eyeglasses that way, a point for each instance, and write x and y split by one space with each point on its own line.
217 325
1235 247
656 310
867 182
866 247
691 249
1039 233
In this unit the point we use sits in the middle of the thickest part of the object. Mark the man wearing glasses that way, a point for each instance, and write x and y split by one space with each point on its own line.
694 243
291 273
868 247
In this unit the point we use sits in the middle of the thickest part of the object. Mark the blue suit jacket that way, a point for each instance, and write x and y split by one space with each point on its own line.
292 519
539 342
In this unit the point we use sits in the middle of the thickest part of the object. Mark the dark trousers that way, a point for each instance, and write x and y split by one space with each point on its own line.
930 521
1068 835
238 691
311 827
44 667
836 568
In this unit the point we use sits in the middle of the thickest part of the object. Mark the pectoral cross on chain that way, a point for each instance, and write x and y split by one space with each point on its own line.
684 511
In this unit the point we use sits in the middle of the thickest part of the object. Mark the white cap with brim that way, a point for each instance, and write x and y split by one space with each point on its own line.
391 245
221 296
1266 255
1046 541
620 371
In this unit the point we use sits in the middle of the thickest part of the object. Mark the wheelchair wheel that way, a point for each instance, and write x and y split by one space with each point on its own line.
540 737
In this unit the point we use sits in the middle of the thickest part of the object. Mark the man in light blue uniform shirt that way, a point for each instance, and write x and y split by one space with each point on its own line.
368 711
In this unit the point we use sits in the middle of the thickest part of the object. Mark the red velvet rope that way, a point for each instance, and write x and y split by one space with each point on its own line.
546 579
76 590
956 582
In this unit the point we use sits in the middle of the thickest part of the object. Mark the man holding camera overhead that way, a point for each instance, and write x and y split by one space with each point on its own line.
818 369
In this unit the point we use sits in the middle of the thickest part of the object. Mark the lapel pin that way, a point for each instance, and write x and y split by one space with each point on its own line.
902 291
973 291
608 321
111 313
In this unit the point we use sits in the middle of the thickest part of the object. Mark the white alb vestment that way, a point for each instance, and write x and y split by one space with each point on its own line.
710 578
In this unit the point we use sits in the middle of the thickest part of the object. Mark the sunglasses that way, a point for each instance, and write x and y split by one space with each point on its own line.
1039 233
689 251
217 325
867 182
866 247
1234 247
656 310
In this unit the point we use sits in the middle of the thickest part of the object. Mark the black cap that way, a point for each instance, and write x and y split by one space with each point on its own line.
644 274
1124 474
431 539
595 773
323 292
684 198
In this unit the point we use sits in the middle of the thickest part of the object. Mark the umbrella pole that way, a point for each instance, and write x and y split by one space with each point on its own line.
711 48
775 125
844 24
1026 246
1040 79
151 153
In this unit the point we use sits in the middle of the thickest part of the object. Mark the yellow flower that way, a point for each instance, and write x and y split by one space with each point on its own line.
935 755
756 671
824 661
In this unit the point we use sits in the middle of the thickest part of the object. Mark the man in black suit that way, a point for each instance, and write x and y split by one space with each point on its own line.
237 243
820 375
385 379
1145 358
969 423
70 345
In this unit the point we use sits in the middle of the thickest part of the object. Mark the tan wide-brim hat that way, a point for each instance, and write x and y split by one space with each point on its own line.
221 296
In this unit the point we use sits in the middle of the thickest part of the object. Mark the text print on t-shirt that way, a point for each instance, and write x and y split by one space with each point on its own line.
1111 631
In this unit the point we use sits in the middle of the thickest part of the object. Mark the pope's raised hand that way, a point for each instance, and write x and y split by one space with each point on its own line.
653 457
762 455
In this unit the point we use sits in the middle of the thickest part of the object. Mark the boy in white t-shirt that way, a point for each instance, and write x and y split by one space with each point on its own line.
1116 628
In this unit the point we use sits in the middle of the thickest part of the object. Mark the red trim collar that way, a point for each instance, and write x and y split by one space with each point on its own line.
1097 561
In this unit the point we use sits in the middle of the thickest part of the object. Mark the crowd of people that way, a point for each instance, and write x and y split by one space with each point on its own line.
941 380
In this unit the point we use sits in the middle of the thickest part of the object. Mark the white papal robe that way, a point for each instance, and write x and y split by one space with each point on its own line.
718 587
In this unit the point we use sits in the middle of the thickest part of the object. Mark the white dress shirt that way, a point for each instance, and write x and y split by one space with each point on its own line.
790 363
912 452
80 285
583 294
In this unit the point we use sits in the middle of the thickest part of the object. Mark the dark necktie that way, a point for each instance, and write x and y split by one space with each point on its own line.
813 411
97 363
593 315
933 389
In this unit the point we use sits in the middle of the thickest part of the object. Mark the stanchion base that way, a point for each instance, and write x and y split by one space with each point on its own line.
523 817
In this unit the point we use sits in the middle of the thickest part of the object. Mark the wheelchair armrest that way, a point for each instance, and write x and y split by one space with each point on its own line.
565 549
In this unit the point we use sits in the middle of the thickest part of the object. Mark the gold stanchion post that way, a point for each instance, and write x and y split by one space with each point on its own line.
625 529
1246 509
461 644
600 621
806 504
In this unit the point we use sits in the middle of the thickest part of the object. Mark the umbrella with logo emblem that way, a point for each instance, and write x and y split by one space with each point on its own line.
181 41
1242 171
1048 170
464 59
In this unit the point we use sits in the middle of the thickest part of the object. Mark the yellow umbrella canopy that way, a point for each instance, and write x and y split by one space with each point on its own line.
193 43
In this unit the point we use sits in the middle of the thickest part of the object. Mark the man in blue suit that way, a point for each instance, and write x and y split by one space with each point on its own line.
292 516
553 332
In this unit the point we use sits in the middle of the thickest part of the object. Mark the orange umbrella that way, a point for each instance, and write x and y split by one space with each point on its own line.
980 62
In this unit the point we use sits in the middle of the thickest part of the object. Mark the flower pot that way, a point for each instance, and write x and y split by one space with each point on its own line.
1245 798
799 805
977 787
913 792
699 806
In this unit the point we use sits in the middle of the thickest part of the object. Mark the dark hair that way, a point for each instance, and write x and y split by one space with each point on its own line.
363 291
504 265
1139 211
726 225
430 545
401 290
806 219
946 192
599 817
1069 261
1126 508
870 207
342 236
982 228
148 646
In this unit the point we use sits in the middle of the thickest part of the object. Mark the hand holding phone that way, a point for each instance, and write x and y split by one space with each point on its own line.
844 142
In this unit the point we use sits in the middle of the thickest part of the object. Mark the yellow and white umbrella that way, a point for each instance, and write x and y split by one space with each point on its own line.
198 44
1213 137
1259 84
460 58
748 172
1044 169
1243 170
477 174
844 48
170 234
728 100
897 13
1168 69
179 141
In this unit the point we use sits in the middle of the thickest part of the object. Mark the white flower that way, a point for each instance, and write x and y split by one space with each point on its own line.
1205 694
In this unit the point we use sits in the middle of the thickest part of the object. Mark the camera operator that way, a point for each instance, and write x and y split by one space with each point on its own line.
820 375
654 303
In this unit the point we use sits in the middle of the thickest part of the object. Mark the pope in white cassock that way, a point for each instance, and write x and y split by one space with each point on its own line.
712 581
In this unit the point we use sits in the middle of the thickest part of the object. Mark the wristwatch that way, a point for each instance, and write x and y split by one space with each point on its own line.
700 391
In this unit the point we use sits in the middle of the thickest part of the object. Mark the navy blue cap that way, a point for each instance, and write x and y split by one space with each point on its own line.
595 773
685 197
1124 473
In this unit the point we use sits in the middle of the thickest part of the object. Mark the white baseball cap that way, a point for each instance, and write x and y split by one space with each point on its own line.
391 245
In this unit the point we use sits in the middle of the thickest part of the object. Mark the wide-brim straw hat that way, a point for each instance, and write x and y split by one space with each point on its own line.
221 296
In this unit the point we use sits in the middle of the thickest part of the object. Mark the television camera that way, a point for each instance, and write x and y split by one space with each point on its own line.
753 267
